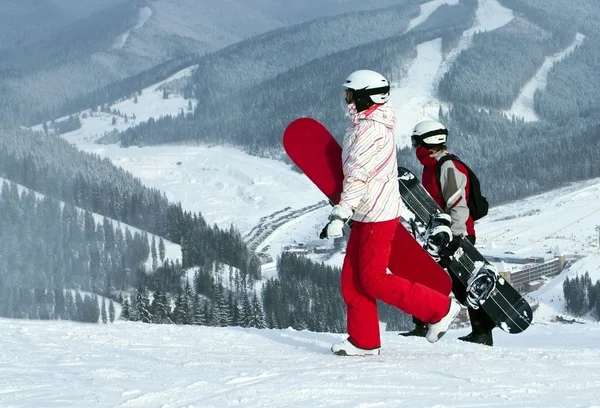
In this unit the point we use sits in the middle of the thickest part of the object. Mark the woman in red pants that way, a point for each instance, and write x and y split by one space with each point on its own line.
372 200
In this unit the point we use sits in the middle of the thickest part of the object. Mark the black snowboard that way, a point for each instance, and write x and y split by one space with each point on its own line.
505 306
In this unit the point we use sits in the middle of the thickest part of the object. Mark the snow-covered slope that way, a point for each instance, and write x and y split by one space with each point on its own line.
230 187
136 365
415 97
225 184
523 106
138 109
565 218
551 297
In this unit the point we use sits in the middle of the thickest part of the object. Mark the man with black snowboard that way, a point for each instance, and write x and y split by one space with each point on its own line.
446 179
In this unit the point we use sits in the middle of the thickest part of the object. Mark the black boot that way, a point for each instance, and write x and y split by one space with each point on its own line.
481 328
420 330
479 338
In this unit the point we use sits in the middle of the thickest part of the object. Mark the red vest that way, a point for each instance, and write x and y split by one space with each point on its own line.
432 187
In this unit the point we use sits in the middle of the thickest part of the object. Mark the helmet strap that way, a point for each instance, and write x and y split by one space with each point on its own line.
362 102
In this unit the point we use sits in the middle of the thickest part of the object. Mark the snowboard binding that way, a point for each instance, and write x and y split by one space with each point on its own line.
438 235
481 284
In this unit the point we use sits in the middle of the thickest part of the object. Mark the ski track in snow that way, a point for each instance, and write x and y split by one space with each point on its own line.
129 365
144 15
414 98
523 106
426 10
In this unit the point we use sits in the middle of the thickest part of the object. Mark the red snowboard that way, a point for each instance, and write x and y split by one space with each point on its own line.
314 150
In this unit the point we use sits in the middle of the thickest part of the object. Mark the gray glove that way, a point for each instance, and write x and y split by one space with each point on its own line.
337 219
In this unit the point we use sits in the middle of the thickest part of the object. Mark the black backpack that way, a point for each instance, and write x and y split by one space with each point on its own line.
478 204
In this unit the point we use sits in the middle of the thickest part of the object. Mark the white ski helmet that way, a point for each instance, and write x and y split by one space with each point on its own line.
366 88
429 134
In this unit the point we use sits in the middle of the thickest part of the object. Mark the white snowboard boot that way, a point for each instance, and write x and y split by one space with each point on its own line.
345 348
437 330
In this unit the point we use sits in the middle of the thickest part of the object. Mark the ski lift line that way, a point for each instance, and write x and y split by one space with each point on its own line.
464 260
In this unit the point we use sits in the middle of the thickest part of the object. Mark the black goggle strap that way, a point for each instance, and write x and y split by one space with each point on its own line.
357 93
417 140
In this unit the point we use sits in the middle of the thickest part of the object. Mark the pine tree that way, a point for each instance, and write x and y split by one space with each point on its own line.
59 304
246 318
208 315
198 306
80 313
258 317
189 302
142 306
271 322
86 312
160 309
165 94
220 313
180 311
154 253
103 311
161 249
70 308
125 309
111 311
235 317
95 310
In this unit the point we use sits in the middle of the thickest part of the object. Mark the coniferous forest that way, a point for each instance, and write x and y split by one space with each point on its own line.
83 239
582 296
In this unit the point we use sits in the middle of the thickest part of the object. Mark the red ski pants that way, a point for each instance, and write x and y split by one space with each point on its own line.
365 279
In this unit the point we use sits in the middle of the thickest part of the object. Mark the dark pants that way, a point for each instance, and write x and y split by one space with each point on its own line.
480 321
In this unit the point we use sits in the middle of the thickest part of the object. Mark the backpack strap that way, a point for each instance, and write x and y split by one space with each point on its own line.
438 168
477 203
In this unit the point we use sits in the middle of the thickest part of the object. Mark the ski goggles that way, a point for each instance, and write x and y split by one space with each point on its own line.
348 95
429 139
